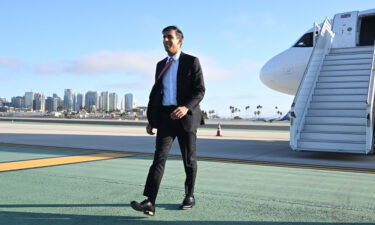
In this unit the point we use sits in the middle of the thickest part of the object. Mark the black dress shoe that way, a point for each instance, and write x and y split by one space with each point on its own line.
188 203
146 207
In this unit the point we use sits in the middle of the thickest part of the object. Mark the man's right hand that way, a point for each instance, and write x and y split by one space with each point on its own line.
149 129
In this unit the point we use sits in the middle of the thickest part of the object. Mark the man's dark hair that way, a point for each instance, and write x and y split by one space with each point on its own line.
179 33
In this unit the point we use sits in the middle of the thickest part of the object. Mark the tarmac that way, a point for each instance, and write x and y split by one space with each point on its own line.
227 124
88 174
251 145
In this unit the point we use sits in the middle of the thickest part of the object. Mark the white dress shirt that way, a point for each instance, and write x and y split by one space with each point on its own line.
170 82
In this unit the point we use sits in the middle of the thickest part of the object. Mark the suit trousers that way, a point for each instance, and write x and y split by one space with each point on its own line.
167 131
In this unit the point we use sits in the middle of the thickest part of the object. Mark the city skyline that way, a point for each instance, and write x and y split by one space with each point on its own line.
71 101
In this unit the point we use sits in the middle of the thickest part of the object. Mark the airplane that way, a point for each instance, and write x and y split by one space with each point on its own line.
330 70
284 71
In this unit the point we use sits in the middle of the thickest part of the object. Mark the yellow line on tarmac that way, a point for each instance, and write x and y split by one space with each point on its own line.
52 148
37 163
223 160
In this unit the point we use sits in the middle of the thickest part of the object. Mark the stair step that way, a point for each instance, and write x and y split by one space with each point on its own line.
338 146
331 150
334 128
339 98
352 50
347 62
337 112
343 78
347 67
357 137
349 56
339 105
328 91
357 84
336 120
366 72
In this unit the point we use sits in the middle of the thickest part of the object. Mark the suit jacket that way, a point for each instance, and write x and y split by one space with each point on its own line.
190 92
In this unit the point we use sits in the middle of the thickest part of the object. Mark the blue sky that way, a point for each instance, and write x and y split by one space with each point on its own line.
48 46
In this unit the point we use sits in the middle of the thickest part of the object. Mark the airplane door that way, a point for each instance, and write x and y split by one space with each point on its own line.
345 29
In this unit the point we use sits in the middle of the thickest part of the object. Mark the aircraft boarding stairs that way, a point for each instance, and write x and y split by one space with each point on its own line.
337 116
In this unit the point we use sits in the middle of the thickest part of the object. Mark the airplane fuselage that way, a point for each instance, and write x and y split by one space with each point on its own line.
284 71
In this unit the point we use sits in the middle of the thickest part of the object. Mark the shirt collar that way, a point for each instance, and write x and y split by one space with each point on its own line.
175 56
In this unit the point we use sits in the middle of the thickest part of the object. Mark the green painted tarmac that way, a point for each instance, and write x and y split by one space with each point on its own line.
227 193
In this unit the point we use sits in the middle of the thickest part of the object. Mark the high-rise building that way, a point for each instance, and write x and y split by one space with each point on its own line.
128 102
18 102
113 102
104 101
92 100
69 99
123 104
80 102
39 102
100 102
29 100
2 101
59 101
51 104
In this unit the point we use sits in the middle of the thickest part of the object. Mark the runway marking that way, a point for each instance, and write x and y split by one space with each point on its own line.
212 159
38 163
54 148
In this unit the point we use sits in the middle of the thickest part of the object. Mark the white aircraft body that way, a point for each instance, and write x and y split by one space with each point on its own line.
284 71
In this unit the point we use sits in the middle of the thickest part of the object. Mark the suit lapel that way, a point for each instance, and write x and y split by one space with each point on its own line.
159 69
180 71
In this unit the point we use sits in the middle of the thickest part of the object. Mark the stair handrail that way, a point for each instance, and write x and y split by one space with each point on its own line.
317 29
370 107
298 112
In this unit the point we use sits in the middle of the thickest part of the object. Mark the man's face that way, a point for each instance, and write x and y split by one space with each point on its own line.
171 42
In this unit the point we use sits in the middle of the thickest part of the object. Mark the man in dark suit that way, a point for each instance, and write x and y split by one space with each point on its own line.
173 109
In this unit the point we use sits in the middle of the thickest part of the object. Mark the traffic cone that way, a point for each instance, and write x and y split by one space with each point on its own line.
218 132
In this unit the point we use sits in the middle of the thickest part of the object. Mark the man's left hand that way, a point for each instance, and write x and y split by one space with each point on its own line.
178 113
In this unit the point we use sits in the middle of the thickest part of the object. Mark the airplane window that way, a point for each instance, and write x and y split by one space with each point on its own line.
305 41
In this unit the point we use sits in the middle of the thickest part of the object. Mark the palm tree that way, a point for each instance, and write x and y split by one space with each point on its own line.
247 109
211 112
259 107
232 110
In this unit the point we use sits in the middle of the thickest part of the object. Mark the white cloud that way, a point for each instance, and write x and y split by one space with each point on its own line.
103 62
135 63
212 70
8 62
250 66
48 68
138 63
